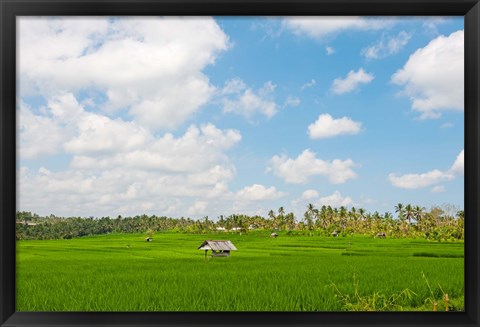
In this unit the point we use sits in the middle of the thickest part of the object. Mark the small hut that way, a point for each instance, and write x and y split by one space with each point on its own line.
274 235
148 239
218 248
334 233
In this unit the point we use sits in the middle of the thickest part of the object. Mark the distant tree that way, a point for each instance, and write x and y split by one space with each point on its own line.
399 209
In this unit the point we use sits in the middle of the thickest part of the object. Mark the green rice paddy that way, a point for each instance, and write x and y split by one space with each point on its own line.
122 272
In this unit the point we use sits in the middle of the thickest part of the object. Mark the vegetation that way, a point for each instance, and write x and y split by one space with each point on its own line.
293 272
410 262
440 224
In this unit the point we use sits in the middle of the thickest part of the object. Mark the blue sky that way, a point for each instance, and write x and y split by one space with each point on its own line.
209 116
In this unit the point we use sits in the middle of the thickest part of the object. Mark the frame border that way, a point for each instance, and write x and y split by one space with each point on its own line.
9 9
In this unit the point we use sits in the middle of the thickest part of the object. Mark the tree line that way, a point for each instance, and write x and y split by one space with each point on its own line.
411 221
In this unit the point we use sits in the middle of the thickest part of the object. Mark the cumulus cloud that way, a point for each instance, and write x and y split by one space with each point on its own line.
329 50
387 46
120 190
299 170
33 141
326 126
151 67
433 76
335 200
414 181
309 194
258 192
242 100
119 167
351 82
321 27
458 165
198 208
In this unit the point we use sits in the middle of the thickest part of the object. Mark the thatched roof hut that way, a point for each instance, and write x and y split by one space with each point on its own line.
274 235
219 248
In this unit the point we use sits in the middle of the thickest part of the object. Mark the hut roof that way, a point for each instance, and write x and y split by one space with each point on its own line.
217 245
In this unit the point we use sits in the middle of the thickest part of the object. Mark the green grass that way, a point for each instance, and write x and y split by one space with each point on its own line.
122 272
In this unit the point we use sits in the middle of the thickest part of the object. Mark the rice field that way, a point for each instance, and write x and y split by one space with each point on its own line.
122 272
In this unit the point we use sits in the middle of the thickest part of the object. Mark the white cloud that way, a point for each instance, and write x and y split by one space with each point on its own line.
335 200
310 194
258 192
430 24
234 86
414 181
196 150
198 208
387 46
458 166
329 50
95 133
309 84
326 126
291 102
120 190
321 27
446 125
150 66
246 102
351 82
33 141
119 167
430 73
299 170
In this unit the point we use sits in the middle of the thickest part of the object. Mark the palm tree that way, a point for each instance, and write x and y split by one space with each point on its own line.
399 208
272 217
409 213
309 216
281 217
343 215
308 220
361 212
322 216
310 209
418 212
290 220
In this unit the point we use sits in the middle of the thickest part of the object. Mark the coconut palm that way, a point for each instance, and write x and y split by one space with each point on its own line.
308 220
281 217
290 220
342 213
418 213
399 208
409 213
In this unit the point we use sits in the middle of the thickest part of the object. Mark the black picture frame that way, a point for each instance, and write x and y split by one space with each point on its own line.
10 9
